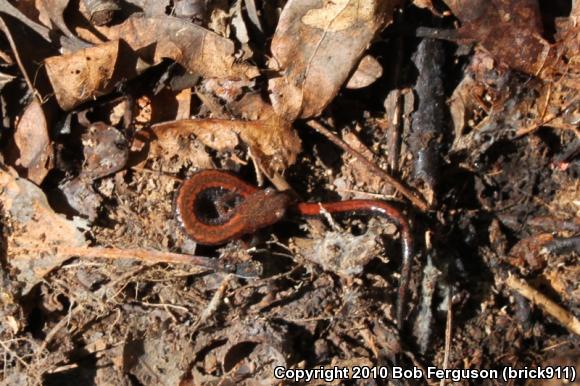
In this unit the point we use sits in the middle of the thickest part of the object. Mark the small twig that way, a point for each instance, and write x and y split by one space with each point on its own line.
377 196
416 200
65 321
165 306
554 310
124 278
16 356
56 328
139 254
542 118
63 368
95 348
214 303
256 164
316 319
557 345
448 329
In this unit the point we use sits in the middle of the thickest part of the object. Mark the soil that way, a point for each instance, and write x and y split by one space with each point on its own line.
309 292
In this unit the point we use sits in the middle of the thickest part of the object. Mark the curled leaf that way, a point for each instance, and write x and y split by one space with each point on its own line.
315 48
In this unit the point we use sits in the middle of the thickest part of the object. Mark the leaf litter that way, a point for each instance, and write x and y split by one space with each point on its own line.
463 114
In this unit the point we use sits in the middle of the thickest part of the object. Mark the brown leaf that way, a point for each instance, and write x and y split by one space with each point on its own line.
55 10
511 30
83 75
22 12
253 14
196 48
168 105
151 7
272 141
218 134
315 48
101 12
33 143
28 42
367 72
527 252
105 151
35 230
95 71
81 197
343 254
183 99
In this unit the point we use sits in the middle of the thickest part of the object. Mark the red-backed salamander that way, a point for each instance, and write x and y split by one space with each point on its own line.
202 205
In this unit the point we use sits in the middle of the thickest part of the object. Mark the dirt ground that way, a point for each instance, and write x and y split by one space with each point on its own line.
464 119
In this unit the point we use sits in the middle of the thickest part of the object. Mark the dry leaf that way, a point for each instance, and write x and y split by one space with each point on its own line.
238 23
193 10
81 197
34 230
169 105
425 4
199 50
227 90
367 72
95 71
151 7
33 143
511 30
183 99
343 254
271 141
22 12
28 42
101 12
55 10
105 151
315 48
83 75
253 14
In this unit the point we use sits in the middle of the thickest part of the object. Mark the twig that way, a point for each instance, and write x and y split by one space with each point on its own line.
65 321
165 306
542 118
416 200
214 303
448 329
140 254
55 329
557 312
11 352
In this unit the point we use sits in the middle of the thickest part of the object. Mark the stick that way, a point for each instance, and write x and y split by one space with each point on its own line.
416 200
554 310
